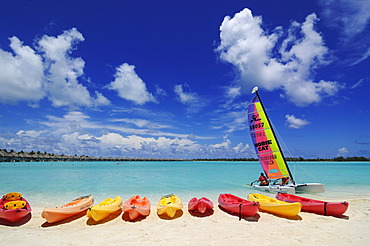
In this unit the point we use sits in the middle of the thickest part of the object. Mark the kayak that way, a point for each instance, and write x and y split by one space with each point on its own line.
200 205
14 207
68 210
274 206
105 208
136 206
316 206
169 205
235 204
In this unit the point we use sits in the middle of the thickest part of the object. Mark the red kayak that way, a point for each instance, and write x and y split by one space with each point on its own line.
315 206
200 205
14 207
238 205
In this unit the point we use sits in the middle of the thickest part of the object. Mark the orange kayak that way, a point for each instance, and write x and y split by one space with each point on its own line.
136 206
65 211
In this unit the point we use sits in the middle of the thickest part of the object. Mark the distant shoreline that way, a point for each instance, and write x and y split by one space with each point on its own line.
12 156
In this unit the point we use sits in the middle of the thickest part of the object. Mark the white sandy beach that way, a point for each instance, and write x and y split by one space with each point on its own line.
218 229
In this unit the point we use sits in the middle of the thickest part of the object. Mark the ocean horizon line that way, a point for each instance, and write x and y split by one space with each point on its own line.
21 156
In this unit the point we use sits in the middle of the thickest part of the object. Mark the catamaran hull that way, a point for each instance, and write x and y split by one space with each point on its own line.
310 188
275 188
292 189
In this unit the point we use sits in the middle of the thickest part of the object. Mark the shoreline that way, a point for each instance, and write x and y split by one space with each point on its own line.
123 160
217 229
21 156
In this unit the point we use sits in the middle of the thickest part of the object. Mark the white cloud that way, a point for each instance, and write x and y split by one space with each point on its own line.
71 134
306 92
351 21
190 99
224 145
187 98
142 123
30 133
159 91
226 148
100 100
231 121
241 148
343 151
161 145
114 144
62 71
351 16
130 86
294 122
49 71
361 82
233 92
363 56
277 60
76 121
20 74
73 121
168 147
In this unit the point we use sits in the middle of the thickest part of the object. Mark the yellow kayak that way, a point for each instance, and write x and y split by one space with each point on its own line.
274 206
169 205
105 208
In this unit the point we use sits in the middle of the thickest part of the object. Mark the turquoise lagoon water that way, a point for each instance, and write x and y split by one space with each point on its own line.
55 183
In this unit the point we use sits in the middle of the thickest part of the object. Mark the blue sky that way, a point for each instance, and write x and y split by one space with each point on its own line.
172 79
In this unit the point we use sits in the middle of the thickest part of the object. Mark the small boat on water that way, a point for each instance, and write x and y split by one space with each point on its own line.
275 188
238 205
269 153
275 206
200 205
105 208
316 206
169 205
14 207
68 210
136 206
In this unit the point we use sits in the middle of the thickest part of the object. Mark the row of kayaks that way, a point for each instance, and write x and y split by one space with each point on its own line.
14 207
286 205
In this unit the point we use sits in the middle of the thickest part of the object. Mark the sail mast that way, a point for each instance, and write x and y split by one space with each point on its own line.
255 90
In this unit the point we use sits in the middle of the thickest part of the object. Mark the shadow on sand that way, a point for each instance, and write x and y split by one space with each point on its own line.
20 222
343 217
247 218
112 216
178 214
65 221
126 217
297 217
207 213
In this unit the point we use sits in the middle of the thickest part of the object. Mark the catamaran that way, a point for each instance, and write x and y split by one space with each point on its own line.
270 154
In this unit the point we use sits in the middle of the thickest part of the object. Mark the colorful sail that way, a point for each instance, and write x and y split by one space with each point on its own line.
265 142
